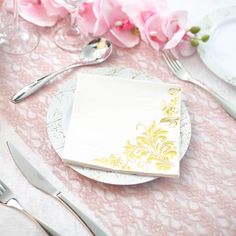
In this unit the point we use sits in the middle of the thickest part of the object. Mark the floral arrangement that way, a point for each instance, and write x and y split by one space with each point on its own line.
124 22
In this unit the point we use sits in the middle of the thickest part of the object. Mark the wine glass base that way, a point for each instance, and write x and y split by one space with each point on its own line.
18 40
69 39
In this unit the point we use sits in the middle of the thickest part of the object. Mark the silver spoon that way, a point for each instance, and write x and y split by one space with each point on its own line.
96 52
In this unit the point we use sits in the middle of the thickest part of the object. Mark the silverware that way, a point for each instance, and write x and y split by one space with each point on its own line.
38 181
181 73
96 52
8 198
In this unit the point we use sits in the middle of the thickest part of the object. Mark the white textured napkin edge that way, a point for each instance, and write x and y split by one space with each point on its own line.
97 167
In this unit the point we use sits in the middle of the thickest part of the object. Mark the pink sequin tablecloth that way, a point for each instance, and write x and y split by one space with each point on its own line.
201 202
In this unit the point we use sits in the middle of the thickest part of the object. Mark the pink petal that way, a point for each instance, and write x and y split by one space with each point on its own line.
138 11
154 23
155 45
173 22
123 38
53 8
97 8
176 38
100 27
87 18
89 23
112 12
37 15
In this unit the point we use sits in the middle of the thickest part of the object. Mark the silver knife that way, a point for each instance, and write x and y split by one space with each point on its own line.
38 181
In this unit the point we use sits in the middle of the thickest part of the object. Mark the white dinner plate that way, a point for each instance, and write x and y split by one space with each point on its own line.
59 117
219 53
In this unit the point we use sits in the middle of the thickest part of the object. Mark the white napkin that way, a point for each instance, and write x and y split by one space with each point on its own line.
123 125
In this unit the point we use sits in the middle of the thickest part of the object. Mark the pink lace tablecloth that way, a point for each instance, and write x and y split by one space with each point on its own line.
201 202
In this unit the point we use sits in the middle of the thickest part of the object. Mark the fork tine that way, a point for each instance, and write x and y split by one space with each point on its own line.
169 62
175 61
1 190
3 185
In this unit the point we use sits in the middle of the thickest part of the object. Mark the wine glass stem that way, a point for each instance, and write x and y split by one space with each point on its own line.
74 19
16 14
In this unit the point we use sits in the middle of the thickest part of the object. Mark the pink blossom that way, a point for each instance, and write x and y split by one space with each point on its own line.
39 12
106 17
124 22
120 29
140 11
165 31
90 20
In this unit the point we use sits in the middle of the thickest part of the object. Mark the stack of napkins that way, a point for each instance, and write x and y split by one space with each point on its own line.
123 125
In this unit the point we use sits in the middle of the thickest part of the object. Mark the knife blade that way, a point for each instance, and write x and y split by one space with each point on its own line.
30 173
40 182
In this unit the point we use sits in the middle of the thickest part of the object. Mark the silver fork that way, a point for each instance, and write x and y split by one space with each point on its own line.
181 73
8 198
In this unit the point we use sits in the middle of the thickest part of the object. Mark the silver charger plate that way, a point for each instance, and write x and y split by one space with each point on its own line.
219 53
58 119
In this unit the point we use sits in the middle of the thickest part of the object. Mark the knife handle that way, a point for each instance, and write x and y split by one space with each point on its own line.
50 231
15 204
94 229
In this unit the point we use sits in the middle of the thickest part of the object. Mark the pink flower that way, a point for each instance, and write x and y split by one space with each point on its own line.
122 30
165 31
90 20
140 11
39 12
105 17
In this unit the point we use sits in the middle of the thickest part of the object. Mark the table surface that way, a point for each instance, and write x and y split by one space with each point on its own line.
201 202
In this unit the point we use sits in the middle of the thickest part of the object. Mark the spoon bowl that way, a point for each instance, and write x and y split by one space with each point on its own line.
95 52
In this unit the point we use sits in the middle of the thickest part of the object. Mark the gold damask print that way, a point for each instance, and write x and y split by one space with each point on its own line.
112 161
151 148
171 109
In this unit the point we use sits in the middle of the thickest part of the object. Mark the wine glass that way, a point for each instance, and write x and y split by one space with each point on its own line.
69 37
18 37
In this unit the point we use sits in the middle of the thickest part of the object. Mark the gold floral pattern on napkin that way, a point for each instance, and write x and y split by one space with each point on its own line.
152 147
170 108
